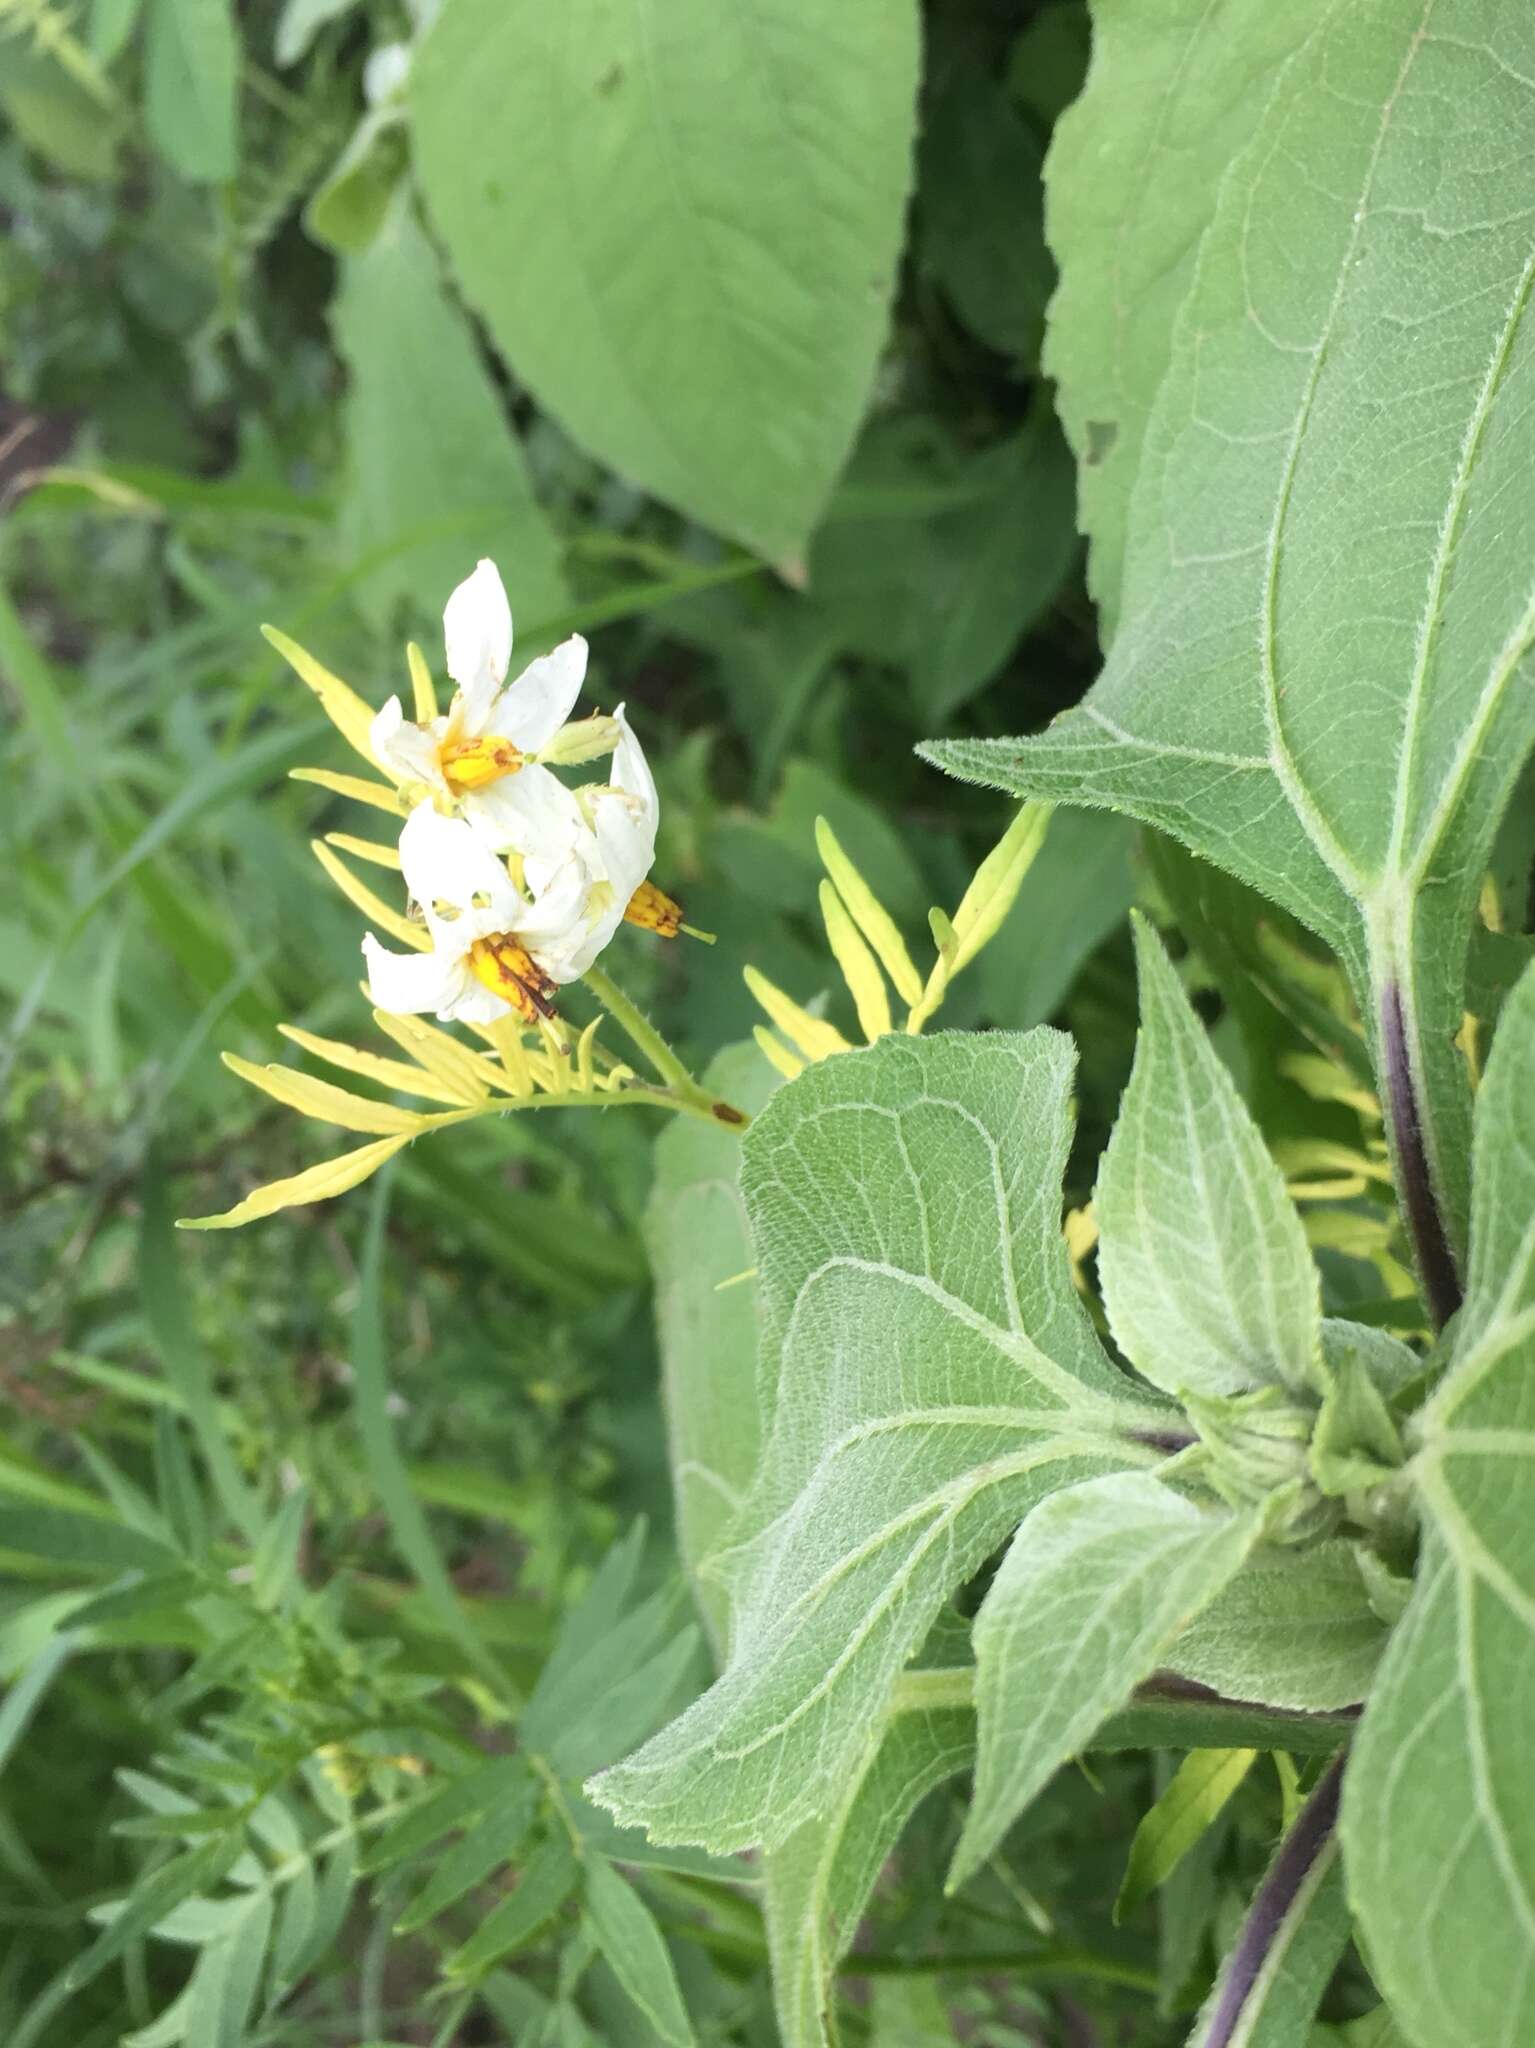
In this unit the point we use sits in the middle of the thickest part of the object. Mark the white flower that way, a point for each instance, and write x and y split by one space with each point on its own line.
492 946
614 843
481 758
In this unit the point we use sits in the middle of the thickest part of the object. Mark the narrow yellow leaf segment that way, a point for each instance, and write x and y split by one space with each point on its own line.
864 939
373 907
777 1053
860 969
454 1065
347 712
372 850
315 1184
379 796
399 1075
869 914
813 1036
423 694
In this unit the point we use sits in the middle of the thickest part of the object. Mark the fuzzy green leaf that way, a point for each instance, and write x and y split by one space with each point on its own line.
1439 1825
1134 168
1207 1277
816 1885
708 1318
937 1375
1347 408
1295 1629
1096 1585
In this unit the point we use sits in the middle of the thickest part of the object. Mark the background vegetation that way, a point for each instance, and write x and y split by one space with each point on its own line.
306 1622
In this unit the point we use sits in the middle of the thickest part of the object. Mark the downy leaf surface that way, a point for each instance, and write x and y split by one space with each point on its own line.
1096 1585
937 1375
1439 1823
1320 677
1207 1278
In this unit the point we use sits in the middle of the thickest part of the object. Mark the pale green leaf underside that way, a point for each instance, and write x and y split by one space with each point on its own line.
682 224
1319 680
1438 1810
1207 1277
708 1318
1096 1585
1130 185
1294 1629
816 1886
937 1375
435 475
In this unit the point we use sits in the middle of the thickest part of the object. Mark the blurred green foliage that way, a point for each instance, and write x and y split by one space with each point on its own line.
304 1618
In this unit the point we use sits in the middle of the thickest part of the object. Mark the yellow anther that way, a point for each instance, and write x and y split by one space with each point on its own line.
473 764
654 911
508 970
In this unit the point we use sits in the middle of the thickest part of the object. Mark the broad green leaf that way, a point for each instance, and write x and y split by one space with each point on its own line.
1347 408
817 1884
1272 1981
1437 1808
1207 1277
436 475
980 226
1194 1800
1131 180
630 1939
707 1314
692 277
1294 1629
1094 1588
937 1374
191 86
938 558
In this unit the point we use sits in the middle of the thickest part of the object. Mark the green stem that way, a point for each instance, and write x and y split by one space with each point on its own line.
685 1092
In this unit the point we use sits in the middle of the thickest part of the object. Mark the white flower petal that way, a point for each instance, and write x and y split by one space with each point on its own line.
406 984
558 909
404 749
631 771
531 711
531 813
473 1003
477 632
446 864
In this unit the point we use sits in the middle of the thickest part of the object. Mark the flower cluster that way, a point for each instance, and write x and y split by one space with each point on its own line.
516 881
519 878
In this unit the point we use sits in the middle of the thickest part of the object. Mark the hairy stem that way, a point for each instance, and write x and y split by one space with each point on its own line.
1269 1916
687 1093
1420 1203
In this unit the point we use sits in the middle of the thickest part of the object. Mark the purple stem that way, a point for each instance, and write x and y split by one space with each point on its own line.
1272 1903
1436 1262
